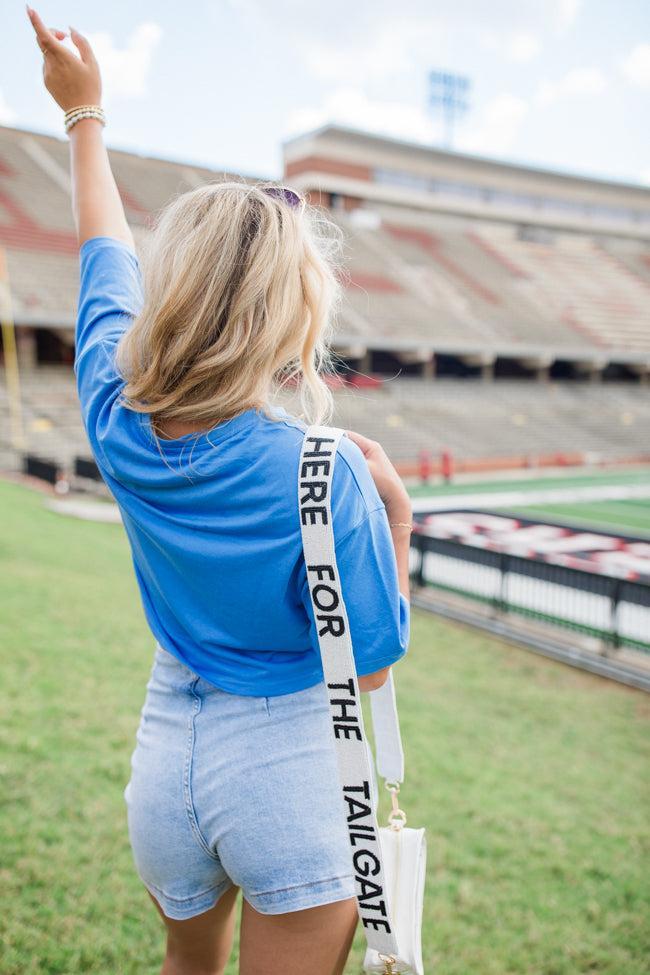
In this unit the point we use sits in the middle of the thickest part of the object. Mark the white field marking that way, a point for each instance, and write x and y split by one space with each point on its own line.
485 499
87 510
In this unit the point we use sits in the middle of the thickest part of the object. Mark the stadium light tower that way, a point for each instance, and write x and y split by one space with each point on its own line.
449 93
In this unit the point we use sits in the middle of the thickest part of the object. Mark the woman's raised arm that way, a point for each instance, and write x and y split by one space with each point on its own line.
96 205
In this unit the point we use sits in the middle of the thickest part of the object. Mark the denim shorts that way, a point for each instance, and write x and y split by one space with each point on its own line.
233 789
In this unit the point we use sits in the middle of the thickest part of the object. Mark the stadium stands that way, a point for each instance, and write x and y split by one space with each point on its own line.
427 282
475 419
463 282
478 419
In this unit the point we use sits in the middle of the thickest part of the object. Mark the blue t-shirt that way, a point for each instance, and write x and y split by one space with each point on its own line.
218 554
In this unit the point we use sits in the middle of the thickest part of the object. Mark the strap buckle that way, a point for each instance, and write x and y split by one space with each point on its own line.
397 816
389 961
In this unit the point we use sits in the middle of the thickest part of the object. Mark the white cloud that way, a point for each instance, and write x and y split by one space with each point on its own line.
386 49
245 6
644 176
496 129
352 107
532 18
636 66
250 11
125 70
522 46
578 81
7 114
493 133
566 13
381 48
376 59
362 43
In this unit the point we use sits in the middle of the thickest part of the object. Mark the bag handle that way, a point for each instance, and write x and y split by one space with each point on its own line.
317 458
385 723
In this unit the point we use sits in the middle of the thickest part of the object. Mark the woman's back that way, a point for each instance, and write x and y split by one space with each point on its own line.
213 519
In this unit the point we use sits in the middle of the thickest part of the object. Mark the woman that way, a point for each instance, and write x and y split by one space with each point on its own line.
233 777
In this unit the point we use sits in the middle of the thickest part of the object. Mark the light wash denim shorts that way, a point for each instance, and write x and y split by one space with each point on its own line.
233 789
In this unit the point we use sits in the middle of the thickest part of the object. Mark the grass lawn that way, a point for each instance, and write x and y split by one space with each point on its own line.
531 778
631 517
572 478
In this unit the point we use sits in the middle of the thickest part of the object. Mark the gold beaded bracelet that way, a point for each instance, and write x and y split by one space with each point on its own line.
77 118
78 108
73 115
83 109
400 524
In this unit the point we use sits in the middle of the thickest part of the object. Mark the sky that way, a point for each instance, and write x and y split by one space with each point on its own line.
559 84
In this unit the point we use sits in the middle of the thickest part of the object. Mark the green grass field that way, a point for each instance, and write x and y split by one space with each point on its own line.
629 516
531 778
637 475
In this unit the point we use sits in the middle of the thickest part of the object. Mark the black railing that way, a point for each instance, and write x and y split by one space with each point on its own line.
86 467
613 609
41 467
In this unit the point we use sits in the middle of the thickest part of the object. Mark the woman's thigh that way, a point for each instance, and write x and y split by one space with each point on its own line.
316 940
202 943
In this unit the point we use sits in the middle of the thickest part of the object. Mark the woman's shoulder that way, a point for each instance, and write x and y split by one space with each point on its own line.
353 486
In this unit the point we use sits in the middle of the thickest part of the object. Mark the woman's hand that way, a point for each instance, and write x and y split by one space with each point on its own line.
371 682
387 481
70 80
97 206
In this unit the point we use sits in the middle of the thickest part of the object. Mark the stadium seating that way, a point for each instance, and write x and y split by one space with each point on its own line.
459 282
508 418
471 417
36 225
417 277
415 281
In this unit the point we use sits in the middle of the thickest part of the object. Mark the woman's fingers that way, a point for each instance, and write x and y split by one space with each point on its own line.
358 438
355 436
82 45
70 79
45 37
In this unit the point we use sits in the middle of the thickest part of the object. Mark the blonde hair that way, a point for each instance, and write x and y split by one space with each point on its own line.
240 290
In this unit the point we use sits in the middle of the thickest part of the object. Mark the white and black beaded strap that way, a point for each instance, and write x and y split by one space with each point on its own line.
317 458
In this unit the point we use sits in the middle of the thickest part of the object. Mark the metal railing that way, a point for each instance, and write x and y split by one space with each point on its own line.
615 610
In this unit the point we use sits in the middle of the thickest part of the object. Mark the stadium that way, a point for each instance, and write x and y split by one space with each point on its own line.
495 321
495 338
495 311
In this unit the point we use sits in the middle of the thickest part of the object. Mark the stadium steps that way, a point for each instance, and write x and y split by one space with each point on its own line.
472 418
449 280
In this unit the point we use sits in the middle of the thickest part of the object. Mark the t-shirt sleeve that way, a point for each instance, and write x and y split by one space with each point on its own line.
110 296
378 613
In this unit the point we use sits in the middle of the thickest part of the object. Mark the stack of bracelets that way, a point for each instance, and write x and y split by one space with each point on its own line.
83 111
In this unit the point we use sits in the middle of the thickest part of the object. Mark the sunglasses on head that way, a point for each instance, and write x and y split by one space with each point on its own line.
285 195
